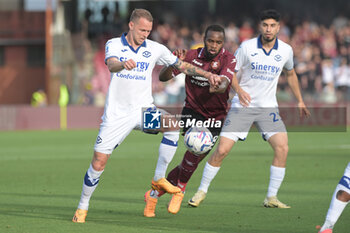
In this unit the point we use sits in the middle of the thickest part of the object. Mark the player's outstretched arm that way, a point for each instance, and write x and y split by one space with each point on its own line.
115 66
180 53
167 72
191 70
294 85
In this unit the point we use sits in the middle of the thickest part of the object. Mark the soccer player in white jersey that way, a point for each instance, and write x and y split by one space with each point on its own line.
260 62
340 199
131 59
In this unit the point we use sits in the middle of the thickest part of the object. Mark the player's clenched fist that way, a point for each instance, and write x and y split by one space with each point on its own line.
180 53
214 80
129 64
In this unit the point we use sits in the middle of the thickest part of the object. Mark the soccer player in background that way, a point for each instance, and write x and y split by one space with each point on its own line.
202 102
131 59
340 199
259 64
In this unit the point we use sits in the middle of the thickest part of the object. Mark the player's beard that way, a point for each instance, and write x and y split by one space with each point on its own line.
210 55
267 39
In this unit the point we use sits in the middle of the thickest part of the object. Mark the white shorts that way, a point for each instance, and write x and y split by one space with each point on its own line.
113 132
239 120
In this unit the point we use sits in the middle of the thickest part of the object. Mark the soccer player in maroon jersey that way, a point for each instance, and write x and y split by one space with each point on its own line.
203 101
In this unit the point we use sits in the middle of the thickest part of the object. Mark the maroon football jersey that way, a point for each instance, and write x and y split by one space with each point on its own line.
198 98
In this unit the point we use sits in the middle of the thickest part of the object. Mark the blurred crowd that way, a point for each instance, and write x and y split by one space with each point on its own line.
321 56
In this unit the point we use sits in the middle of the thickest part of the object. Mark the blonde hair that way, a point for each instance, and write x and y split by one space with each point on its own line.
140 13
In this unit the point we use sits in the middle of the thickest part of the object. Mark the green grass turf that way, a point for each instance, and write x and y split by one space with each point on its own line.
42 172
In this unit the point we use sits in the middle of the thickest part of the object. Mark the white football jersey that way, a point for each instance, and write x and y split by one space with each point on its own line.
259 71
132 89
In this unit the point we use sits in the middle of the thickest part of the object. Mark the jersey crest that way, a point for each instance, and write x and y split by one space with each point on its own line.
278 57
215 65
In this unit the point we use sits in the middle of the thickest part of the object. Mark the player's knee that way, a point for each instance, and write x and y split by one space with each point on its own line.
98 166
99 161
222 152
282 150
343 196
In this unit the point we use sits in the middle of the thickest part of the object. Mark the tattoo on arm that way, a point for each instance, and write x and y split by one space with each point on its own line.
178 64
189 69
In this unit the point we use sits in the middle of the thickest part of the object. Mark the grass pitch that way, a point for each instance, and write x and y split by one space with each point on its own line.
42 173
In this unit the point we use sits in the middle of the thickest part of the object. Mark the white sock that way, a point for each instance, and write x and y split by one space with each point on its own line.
90 183
209 174
335 210
276 178
167 149
336 207
327 225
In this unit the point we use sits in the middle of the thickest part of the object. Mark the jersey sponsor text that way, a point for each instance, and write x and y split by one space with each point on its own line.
131 77
268 68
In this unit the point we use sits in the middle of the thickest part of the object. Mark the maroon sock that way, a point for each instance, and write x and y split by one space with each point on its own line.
173 176
181 185
161 193
187 167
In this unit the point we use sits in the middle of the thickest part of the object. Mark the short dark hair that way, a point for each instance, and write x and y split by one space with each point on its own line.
215 28
140 13
270 14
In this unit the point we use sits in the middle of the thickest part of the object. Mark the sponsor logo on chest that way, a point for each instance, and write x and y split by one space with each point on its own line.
263 67
194 61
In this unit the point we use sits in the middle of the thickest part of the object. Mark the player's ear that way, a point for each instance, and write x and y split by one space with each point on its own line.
131 25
